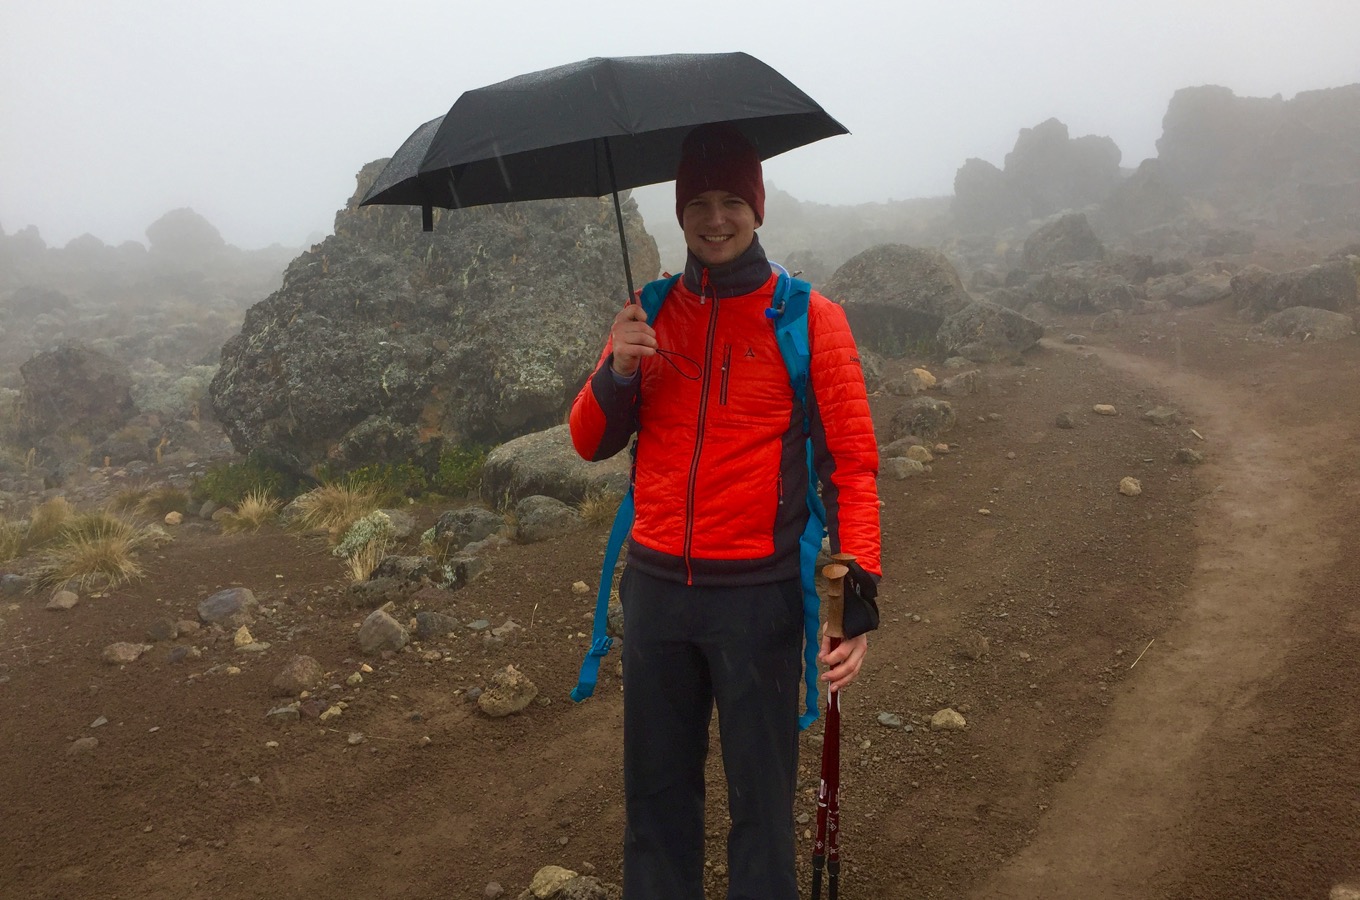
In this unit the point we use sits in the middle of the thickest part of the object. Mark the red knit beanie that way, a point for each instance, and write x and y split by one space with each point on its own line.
719 158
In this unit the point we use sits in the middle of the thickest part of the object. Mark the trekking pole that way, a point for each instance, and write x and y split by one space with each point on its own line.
826 849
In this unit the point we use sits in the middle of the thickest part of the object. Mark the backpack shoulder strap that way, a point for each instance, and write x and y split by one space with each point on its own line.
789 313
652 295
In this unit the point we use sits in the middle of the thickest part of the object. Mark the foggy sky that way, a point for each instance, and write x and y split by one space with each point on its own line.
258 115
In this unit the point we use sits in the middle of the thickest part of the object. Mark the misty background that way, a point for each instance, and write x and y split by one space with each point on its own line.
257 116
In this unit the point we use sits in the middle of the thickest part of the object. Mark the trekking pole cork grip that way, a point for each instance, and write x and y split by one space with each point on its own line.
835 594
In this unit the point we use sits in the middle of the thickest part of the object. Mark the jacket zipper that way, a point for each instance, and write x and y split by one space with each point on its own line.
726 373
699 432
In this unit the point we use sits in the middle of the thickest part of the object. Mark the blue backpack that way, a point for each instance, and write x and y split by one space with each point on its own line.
789 313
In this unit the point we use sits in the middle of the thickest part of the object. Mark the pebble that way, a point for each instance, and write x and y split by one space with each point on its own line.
333 712
82 745
123 652
1130 487
174 518
355 738
580 588
984 512
101 721
271 744
242 637
511 691
889 720
549 880
1189 457
63 600
354 679
479 625
493 890
947 720
1104 409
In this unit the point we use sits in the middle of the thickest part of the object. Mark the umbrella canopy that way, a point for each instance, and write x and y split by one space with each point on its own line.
400 182
606 124
593 128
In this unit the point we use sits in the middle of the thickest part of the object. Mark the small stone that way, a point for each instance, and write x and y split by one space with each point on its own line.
272 745
1074 339
233 670
1066 419
282 715
511 691
924 375
920 454
174 518
431 625
947 720
942 449
549 880
381 632
123 653
901 467
81 746
510 626
493 890
99 722
242 637
354 679
301 674
479 625
1010 454
231 608
179 654
1104 409
984 512
1162 415
63 600
580 588
1130 487
424 741
333 712
366 668
355 738
1187 456
162 630
187 626
889 720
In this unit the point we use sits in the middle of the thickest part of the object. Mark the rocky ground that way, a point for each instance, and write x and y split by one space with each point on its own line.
1157 688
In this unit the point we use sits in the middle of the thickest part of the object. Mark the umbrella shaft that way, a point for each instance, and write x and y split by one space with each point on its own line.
618 216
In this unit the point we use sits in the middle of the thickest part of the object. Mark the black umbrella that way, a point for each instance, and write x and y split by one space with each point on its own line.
603 125
400 182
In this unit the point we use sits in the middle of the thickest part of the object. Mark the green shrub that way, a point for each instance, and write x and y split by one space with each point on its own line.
227 484
460 469
389 481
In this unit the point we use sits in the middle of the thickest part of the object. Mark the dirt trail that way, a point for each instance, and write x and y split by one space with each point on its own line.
1116 826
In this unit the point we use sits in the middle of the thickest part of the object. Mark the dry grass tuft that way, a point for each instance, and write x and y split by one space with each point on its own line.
127 500
364 560
599 508
157 502
335 507
97 551
12 539
47 521
256 509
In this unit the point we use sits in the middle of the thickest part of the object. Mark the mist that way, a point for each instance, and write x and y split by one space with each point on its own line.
257 116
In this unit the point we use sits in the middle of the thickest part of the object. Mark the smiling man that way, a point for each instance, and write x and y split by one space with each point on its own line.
711 594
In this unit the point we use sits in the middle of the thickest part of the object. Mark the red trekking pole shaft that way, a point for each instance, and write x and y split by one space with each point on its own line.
826 849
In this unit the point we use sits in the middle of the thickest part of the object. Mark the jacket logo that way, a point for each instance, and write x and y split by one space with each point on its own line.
750 353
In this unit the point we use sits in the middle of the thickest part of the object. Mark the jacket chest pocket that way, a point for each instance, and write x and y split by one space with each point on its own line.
753 385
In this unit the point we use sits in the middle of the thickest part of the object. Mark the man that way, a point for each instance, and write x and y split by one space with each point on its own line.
711 593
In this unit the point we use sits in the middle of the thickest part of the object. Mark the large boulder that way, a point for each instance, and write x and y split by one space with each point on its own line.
985 332
1310 324
73 390
546 463
385 341
896 296
1258 292
1082 288
1069 239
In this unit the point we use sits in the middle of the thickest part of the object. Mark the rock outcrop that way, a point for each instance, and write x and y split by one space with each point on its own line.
73 391
384 341
1047 172
896 296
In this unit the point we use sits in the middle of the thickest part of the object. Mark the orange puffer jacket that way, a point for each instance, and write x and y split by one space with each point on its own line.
720 471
